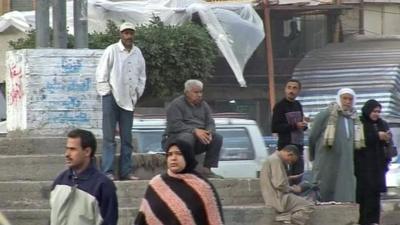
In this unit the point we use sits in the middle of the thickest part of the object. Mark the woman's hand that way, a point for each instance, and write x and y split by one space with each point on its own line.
384 136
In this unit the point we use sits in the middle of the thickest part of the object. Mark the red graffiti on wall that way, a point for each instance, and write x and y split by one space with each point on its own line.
16 92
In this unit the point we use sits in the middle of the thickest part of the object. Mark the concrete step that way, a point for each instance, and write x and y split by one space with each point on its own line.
30 167
32 145
40 145
345 214
390 212
47 167
35 195
43 145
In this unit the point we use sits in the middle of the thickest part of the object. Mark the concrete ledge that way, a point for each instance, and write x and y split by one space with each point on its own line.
32 145
47 167
346 214
25 144
390 212
35 195
38 168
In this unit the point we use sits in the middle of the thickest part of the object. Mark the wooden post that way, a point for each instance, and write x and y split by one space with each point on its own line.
383 20
336 32
4 6
270 56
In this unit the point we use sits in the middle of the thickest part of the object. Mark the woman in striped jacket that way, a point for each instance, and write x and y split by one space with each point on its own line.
180 196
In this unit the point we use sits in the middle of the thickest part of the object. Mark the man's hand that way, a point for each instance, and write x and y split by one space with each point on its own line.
204 136
295 188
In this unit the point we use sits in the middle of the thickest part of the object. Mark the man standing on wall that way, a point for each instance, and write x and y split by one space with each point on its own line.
288 121
121 78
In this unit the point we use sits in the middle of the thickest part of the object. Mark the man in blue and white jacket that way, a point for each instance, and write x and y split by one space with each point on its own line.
82 194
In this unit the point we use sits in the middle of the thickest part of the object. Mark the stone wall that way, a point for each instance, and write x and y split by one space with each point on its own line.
50 91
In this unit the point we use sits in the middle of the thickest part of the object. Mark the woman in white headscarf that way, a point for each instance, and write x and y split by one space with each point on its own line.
334 136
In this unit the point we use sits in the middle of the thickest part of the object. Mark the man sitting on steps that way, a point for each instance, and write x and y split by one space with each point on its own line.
189 119
276 191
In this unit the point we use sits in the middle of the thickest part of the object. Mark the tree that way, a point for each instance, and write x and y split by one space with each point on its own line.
173 54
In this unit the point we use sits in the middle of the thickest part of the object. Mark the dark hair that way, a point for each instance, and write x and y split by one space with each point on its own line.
292 149
87 139
295 81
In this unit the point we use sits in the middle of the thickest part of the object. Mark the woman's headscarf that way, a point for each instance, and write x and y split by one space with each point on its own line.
345 91
187 153
368 107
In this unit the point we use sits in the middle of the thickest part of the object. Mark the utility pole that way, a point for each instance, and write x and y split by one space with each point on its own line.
269 52
42 23
59 23
361 17
81 23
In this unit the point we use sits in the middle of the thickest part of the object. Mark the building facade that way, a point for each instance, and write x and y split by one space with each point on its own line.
19 5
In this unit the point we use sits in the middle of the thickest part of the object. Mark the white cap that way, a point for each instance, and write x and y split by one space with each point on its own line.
126 25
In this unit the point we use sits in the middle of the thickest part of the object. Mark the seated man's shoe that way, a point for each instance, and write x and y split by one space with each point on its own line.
110 176
212 175
207 173
130 177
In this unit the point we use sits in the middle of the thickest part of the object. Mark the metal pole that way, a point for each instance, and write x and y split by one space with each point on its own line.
42 23
81 23
270 57
361 18
60 23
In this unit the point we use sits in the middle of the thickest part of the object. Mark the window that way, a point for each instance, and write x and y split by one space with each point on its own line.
237 144
148 140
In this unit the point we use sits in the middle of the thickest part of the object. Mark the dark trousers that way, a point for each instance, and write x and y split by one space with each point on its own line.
113 114
369 201
212 150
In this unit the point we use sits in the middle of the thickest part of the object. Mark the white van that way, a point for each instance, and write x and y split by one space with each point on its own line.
243 150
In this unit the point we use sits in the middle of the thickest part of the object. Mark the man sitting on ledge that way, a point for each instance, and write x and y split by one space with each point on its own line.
277 193
189 119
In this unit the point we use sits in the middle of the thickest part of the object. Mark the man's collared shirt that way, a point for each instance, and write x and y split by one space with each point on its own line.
122 73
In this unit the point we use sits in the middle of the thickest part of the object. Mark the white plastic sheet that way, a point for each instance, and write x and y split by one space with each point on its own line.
235 27
20 20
